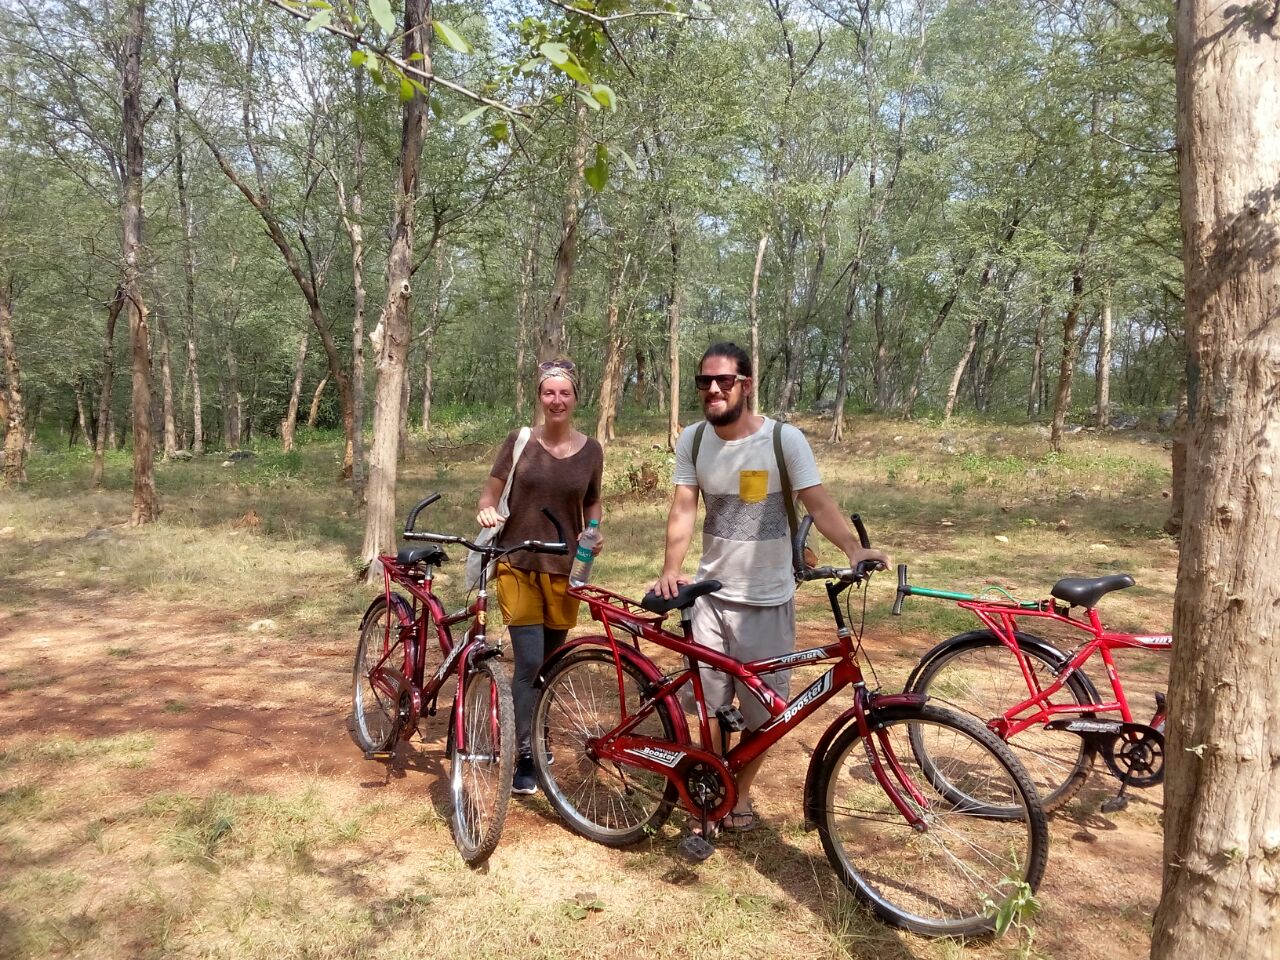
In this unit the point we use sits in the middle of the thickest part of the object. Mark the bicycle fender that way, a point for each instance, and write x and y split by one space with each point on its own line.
1027 641
402 607
648 669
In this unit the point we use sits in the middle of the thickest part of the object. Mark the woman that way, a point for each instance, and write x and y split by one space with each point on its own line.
559 469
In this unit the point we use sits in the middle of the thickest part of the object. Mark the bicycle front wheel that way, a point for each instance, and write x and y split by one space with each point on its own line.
611 803
948 877
982 677
480 766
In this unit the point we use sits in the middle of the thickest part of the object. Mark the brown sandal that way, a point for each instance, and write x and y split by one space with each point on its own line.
740 821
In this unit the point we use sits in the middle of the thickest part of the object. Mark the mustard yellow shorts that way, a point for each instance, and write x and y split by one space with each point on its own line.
528 597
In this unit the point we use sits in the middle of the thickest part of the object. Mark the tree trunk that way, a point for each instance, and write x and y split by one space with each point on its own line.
553 340
842 362
81 416
528 268
232 397
1178 482
607 409
354 224
1222 792
954 389
103 434
188 274
391 337
1037 364
642 379
314 413
673 332
15 438
166 391
290 422
753 318
429 337
1104 363
406 392
1070 348
146 504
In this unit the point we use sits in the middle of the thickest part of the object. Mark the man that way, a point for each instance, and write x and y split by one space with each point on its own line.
746 538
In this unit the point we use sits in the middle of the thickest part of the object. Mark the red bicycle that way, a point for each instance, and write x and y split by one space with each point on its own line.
1056 729
405 657
934 847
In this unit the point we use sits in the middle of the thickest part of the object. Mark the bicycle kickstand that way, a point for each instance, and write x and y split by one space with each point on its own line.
1118 802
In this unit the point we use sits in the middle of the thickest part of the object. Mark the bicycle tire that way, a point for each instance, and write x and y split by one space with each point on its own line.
480 778
603 802
376 718
980 676
949 879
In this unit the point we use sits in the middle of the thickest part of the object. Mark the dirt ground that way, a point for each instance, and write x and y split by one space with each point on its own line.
235 707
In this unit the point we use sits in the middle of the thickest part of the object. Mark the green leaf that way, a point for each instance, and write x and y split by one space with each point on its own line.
318 21
406 90
530 65
500 131
358 57
471 117
597 175
626 158
574 69
557 53
381 10
587 100
450 36
416 55
604 96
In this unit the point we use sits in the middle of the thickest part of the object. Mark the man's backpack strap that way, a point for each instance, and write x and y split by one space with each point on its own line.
698 431
788 498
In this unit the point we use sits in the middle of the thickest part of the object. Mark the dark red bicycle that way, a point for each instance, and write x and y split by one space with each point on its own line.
1038 698
407 655
933 842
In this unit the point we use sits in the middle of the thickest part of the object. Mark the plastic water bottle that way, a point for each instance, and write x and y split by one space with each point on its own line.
582 560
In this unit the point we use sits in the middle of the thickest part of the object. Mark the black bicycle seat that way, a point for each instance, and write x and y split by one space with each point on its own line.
684 596
1082 592
432 556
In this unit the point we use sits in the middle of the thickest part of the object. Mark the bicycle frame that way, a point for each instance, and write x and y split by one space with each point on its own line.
619 744
1001 618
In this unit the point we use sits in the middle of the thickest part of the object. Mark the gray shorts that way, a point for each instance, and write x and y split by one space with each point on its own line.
746 633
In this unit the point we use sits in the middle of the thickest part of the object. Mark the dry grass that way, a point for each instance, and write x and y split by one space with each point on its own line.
175 785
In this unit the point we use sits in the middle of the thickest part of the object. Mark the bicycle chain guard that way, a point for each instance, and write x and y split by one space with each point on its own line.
1133 752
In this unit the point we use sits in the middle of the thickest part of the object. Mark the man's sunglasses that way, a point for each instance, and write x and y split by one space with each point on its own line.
725 381
547 365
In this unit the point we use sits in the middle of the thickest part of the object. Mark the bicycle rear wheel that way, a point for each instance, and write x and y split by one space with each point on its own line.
981 676
606 802
949 878
480 767
376 714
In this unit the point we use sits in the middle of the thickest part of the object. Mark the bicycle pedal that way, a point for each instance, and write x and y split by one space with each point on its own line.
1160 702
694 848
1115 804
379 754
731 719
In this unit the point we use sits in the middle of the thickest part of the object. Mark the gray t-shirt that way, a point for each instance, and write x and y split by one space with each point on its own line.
746 542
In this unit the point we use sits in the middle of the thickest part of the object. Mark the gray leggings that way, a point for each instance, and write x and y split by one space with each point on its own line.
531 645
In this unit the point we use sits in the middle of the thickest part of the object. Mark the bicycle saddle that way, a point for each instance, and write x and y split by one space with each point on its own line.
432 556
1082 592
684 596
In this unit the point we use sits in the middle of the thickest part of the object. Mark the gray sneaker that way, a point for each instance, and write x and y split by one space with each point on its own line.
525 781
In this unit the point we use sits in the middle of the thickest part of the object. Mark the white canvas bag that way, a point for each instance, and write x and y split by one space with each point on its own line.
475 572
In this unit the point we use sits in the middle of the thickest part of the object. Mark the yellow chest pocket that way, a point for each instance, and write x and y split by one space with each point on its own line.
753 485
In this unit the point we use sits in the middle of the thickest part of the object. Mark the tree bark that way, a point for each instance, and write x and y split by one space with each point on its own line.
81 415
289 425
553 339
146 503
314 413
753 318
15 437
673 332
1104 363
607 410
103 434
166 392
1222 792
1037 364
954 389
352 212
188 272
391 337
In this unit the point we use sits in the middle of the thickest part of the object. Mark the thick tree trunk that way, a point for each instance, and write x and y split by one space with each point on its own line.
1178 482
314 413
289 424
15 437
146 504
103 435
166 392
391 338
553 339
753 318
1222 793
1104 363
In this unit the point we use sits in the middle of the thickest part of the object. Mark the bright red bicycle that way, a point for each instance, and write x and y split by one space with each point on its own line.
405 657
932 841
1058 727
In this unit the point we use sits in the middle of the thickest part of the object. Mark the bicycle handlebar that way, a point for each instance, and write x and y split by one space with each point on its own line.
857 574
559 547
904 590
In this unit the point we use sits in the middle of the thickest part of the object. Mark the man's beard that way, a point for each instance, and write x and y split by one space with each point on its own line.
731 412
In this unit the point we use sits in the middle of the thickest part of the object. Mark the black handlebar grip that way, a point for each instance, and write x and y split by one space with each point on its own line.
797 545
862 531
559 529
902 590
413 514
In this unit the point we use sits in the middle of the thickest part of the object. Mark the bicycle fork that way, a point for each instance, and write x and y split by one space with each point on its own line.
876 743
